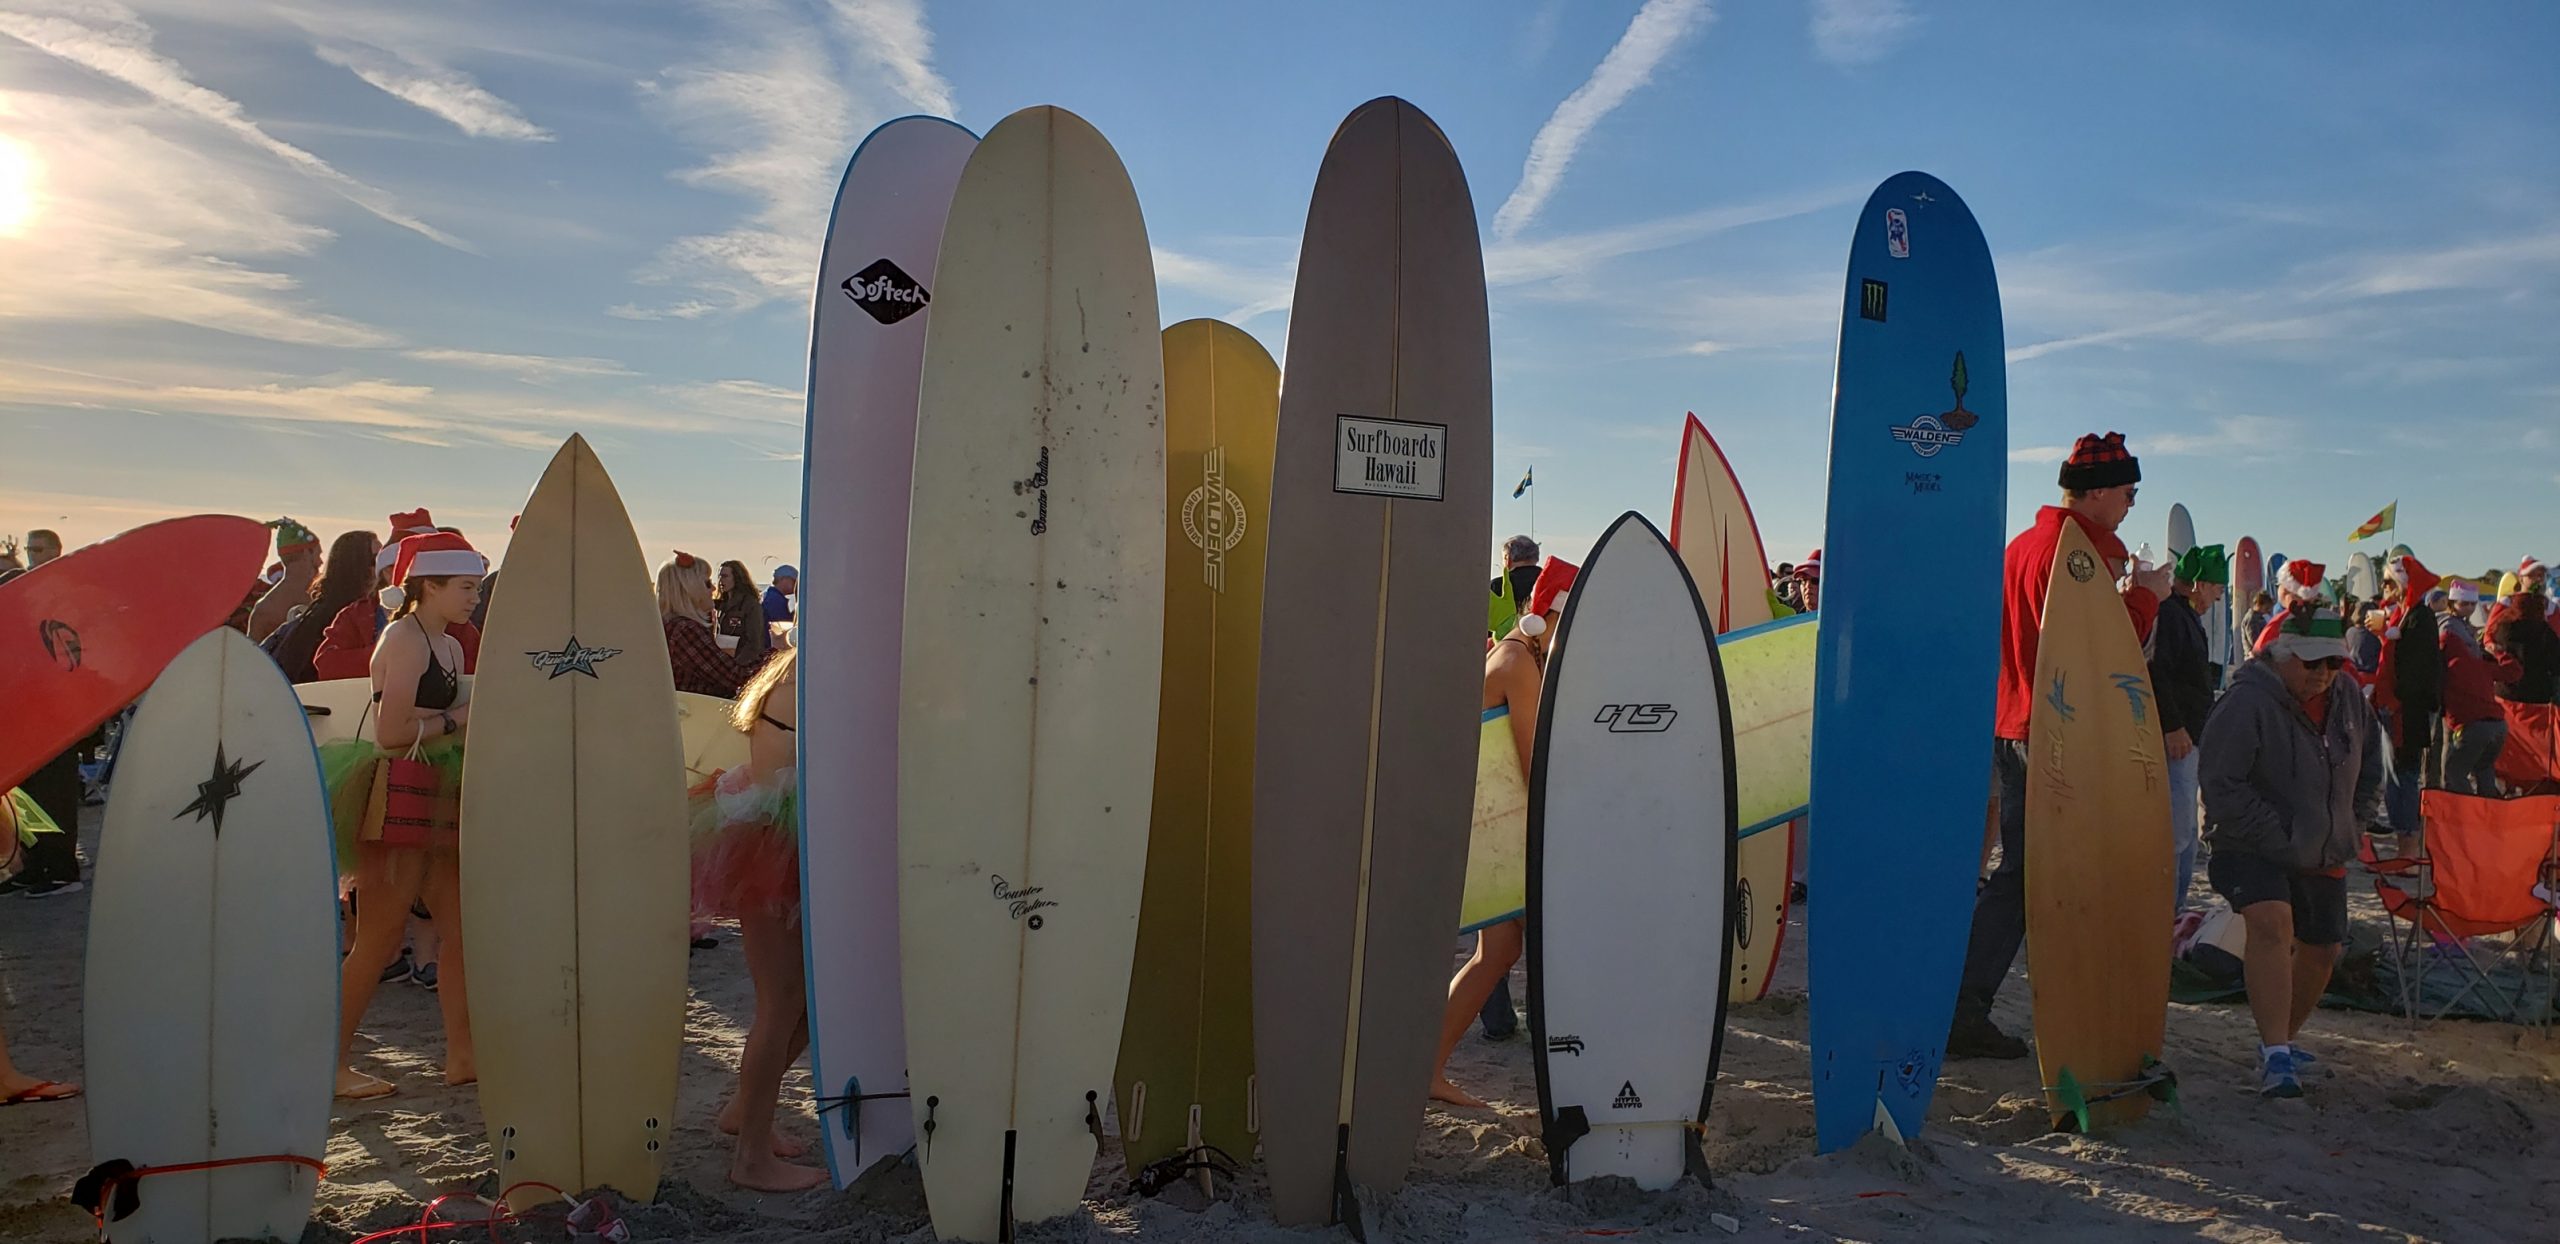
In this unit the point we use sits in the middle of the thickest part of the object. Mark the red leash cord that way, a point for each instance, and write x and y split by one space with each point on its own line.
499 1216
108 1184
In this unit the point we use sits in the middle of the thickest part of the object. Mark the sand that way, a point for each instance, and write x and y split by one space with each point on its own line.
2447 1131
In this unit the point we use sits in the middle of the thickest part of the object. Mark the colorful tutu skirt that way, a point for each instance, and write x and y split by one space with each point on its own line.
347 768
746 844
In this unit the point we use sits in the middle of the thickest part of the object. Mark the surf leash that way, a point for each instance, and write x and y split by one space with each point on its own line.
599 1223
112 1190
1153 1178
851 1103
2157 1080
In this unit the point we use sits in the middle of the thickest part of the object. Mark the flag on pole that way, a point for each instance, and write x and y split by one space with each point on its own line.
2388 519
1524 483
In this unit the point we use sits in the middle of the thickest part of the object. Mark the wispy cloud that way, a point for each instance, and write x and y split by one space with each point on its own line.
445 93
1255 288
526 367
1512 262
1859 32
1658 28
891 35
108 39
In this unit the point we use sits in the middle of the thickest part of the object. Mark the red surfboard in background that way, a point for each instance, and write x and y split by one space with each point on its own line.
82 636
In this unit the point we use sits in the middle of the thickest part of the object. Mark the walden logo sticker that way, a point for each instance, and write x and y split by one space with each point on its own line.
886 291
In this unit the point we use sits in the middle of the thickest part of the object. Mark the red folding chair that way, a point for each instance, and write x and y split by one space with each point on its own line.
2485 869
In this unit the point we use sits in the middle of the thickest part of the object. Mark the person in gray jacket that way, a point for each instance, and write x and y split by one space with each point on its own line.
2292 775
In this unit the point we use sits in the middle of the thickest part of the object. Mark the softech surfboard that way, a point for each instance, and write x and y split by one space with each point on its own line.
2100 861
1381 510
1904 698
81 636
1719 542
212 999
1186 1051
574 851
866 349
1034 645
1631 859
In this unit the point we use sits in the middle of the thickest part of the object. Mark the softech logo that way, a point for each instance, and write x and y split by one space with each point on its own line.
886 291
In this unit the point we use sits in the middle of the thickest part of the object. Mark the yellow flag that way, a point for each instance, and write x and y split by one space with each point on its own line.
2387 520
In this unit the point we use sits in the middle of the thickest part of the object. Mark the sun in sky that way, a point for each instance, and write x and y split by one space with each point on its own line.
20 173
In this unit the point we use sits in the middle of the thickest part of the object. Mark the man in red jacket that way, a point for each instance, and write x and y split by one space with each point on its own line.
2097 492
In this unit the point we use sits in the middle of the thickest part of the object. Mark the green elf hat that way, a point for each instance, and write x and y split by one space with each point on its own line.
291 536
2205 563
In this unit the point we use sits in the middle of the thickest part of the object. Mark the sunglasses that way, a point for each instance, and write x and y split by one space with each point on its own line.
2326 663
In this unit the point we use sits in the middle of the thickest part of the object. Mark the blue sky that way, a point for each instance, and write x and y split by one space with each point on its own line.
334 259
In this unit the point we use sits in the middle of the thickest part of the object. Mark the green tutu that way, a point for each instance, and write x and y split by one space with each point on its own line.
29 817
347 769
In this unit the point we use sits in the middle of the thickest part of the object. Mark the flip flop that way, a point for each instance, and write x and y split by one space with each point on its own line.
374 1089
41 1091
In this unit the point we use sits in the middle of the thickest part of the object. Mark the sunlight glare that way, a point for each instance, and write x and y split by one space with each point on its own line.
19 173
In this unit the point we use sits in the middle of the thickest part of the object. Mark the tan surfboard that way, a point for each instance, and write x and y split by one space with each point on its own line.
574 850
2100 860
1186 1051
1372 660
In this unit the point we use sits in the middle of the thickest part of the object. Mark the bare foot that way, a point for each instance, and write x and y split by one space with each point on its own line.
730 1115
783 1146
459 1076
1449 1094
354 1085
767 1173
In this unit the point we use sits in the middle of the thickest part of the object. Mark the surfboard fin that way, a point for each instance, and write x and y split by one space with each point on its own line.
1093 1116
1004 1206
1562 1129
1346 1200
1884 1124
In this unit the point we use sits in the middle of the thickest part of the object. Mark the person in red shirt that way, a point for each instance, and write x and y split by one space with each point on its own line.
346 648
2098 486
2475 724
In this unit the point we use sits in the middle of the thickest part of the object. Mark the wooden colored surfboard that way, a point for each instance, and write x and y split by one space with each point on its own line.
574 849
1904 699
1034 648
337 709
875 286
1186 1050
1719 543
81 636
1631 859
212 996
1381 510
2100 862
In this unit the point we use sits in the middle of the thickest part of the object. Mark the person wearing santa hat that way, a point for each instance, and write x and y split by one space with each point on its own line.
2291 780
1514 673
2461 598
2299 581
346 648
419 711
2098 483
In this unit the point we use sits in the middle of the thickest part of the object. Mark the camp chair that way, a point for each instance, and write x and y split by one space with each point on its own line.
2478 874
2530 762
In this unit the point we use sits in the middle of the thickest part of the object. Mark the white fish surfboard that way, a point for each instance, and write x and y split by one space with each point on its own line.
1033 657
212 995
1631 866
875 289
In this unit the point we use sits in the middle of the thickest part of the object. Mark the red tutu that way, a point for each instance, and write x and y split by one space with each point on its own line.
746 845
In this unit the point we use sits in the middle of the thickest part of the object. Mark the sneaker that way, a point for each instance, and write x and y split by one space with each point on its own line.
2276 1075
2307 1065
424 976
399 969
14 884
1975 1036
48 889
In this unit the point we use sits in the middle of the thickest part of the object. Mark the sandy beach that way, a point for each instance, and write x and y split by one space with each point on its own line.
2439 1132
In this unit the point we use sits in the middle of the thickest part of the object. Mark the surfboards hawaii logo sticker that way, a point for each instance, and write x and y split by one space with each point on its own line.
1927 435
1390 457
886 291
1213 518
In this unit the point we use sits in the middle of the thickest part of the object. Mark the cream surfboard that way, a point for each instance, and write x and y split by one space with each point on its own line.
2099 856
875 291
1186 1050
1719 542
1498 837
1028 694
574 851
338 709
1365 750
212 996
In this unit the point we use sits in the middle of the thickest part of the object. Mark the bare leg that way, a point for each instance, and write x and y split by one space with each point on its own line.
2268 969
14 1081
387 882
732 1113
2311 968
453 987
1497 948
773 964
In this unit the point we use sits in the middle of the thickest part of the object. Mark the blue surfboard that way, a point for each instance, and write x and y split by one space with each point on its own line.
1904 690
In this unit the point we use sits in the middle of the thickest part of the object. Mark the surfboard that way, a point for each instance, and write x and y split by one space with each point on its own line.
1033 652
2248 578
338 709
574 849
866 349
1903 698
1631 869
1719 544
83 635
1186 1048
1497 887
2100 863
212 995
2362 582
1381 511
2182 531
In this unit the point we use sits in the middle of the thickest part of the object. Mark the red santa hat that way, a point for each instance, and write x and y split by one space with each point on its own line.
426 556
2306 580
414 523
2413 576
1811 567
1554 587
2529 567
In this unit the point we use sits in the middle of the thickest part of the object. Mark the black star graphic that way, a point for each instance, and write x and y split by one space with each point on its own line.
216 792
573 658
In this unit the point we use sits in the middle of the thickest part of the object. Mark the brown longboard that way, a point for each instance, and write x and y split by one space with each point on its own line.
1364 770
2099 855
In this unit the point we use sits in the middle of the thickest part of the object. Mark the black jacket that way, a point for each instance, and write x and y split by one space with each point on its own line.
2181 668
2534 646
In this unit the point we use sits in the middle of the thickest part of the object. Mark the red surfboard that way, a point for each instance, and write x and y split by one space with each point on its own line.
82 636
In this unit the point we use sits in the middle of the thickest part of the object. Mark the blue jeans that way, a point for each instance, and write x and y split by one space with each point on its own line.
2184 812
